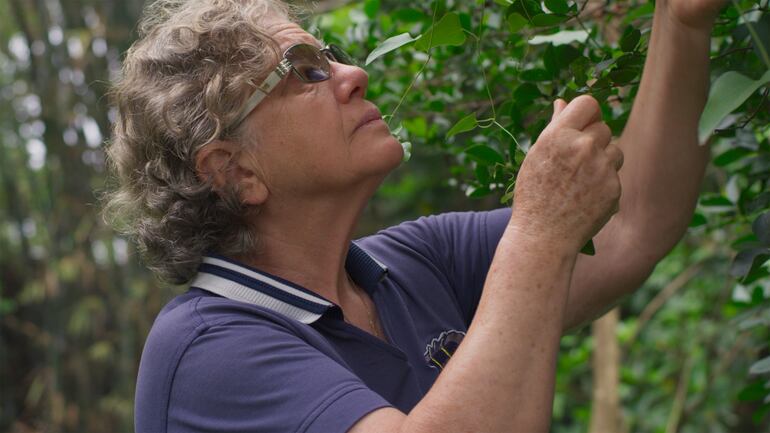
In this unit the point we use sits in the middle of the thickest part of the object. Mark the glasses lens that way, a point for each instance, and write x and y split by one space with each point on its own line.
309 62
340 56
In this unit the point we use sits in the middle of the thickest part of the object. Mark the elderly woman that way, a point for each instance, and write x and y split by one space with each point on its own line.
245 151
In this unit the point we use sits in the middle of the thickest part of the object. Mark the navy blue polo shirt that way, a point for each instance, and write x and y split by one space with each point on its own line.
246 351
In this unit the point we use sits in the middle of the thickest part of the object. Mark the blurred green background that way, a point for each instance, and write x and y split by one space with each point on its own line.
688 352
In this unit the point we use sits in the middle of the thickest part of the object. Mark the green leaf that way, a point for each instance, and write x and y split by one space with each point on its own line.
526 8
622 77
732 155
409 15
448 31
589 249
753 392
639 11
557 58
747 260
761 366
697 220
516 22
484 154
717 201
561 38
371 7
630 60
727 93
465 124
630 39
389 45
546 20
536 74
477 191
482 174
417 126
526 93
761 228
557 6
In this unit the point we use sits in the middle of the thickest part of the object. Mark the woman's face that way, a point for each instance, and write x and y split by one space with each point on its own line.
308 138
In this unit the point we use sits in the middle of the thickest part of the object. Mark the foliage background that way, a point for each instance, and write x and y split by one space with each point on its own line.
76 304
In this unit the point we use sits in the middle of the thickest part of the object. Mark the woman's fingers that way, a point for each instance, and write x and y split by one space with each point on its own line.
558 107
615 155
580 113
600 132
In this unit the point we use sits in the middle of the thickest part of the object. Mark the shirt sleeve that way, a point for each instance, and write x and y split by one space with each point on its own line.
460 244
256 376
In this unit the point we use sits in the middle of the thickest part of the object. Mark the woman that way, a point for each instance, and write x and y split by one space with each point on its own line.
245 151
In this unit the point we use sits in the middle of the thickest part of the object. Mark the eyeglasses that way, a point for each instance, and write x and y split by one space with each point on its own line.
309 63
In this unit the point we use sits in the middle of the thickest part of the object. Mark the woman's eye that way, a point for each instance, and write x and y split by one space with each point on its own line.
311 73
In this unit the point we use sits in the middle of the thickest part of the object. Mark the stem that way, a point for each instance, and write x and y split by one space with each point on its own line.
509 134
478 57
422 68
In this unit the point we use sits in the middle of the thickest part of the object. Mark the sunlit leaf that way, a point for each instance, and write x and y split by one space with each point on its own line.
761 366
389 45
560 38
727 93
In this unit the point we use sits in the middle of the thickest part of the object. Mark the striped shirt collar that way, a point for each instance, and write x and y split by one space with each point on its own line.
236 281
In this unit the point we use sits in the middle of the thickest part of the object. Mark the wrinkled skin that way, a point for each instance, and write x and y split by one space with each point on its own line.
568 186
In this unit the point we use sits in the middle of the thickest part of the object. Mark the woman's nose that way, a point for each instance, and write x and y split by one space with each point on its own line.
351 81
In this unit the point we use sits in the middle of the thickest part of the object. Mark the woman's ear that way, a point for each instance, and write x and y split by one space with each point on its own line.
225 165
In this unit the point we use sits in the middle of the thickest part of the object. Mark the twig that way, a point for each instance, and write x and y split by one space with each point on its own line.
422 68
680 396
727 53
751 116
759 107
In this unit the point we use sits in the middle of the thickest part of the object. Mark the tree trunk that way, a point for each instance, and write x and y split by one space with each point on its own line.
605 407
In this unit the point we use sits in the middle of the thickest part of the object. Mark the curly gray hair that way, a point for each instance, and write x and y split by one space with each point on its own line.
185 78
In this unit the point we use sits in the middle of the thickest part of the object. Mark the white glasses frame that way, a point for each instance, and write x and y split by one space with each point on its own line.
284 67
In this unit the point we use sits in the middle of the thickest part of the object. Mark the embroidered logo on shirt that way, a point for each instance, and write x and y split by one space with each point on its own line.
441 348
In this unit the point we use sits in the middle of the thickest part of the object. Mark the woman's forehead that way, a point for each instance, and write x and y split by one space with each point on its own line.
287 33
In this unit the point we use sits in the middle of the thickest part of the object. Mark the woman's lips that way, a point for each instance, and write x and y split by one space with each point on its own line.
370 116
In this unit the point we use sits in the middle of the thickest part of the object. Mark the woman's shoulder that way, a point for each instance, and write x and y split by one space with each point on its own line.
204 341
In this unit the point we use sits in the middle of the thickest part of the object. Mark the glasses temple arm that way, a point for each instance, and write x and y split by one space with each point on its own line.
262 91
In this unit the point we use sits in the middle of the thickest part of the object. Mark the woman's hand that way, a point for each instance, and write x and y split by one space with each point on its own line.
568 185
696 14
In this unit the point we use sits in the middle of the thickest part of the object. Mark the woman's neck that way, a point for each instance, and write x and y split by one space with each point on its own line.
306 242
